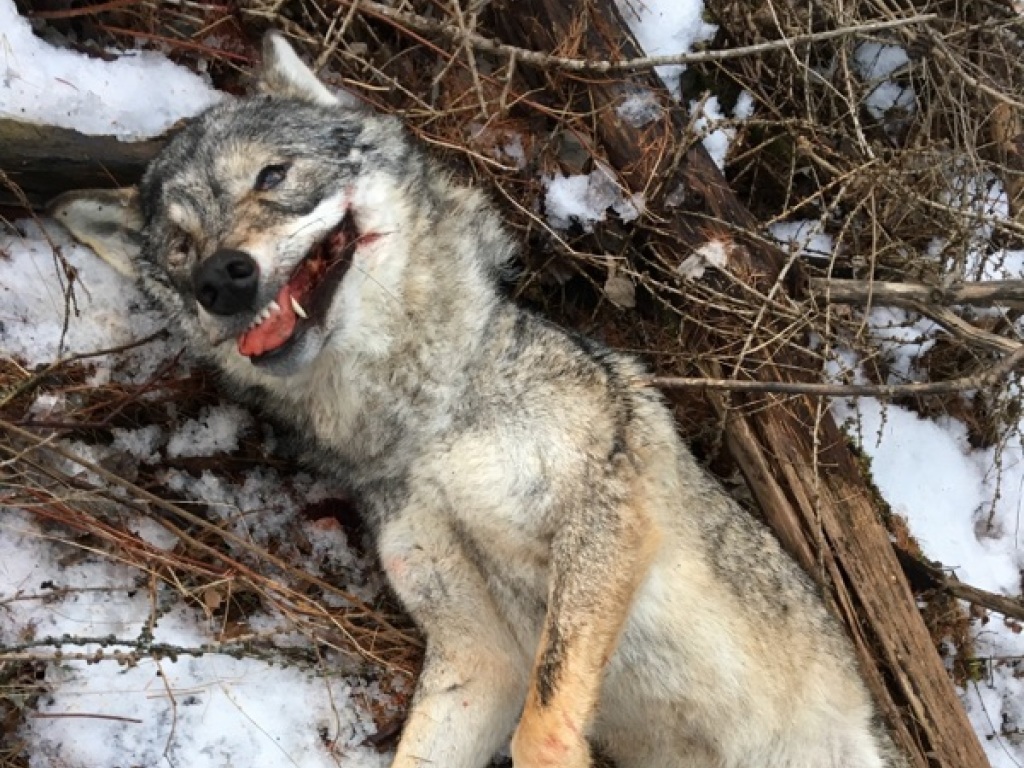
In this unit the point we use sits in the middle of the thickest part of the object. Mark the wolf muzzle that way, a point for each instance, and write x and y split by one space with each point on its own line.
227 282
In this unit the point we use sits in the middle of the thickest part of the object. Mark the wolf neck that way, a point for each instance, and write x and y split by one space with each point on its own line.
370 404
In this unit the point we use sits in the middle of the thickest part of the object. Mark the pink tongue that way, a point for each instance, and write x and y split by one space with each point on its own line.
272 332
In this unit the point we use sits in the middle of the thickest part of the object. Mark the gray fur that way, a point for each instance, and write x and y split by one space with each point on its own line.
571 566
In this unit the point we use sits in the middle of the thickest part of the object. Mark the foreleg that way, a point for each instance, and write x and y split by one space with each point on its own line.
600 555
474 677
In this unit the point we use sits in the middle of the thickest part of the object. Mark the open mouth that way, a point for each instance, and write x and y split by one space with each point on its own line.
305 298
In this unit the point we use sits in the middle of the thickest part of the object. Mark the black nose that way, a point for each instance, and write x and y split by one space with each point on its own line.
226 283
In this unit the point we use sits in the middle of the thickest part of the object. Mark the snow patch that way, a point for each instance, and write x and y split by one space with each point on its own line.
585 199
46 85
108 311
875 63
215 431
804 236
667 28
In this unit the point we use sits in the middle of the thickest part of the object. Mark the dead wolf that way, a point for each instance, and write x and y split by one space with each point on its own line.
579 579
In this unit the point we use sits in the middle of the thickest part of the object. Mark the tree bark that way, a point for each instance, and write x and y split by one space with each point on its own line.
807 482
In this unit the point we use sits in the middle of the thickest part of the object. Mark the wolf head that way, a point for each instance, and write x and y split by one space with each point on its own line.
273 225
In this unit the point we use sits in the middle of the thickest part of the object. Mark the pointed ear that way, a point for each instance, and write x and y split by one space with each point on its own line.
284 73
107 220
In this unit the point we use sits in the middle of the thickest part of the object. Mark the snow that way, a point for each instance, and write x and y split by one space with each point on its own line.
928 474
639 106
667 28
585 199
211 710
216 431
875 63
708 117
744 107
40 83
805 236
107 312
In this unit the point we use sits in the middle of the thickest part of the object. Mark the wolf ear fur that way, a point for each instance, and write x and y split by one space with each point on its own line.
107 220
284 73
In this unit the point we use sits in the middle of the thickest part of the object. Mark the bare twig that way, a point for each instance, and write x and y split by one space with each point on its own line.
959 327
540 59
998 603
7 395
1006 292
938 578
88 715
976 381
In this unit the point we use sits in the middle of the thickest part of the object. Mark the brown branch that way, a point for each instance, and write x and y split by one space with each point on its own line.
931 301
547 60
935 577
977 381
1007 292
959 327
70 13
998 603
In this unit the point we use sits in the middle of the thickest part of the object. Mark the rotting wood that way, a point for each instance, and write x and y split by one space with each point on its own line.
797 462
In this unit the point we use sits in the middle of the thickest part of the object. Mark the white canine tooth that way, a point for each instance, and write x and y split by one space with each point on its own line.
297 308
273 306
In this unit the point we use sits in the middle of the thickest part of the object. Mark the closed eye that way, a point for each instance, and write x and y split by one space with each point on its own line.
270 177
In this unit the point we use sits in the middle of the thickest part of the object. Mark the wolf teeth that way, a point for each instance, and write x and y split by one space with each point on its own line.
297 308
272 308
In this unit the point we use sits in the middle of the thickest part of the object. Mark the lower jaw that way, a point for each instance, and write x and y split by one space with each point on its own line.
292 356
281 352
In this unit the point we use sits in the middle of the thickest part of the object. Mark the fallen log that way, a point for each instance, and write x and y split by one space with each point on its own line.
42 161
805 478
